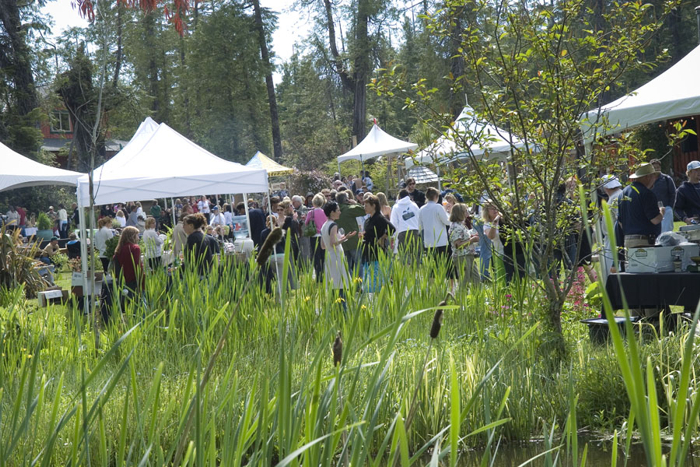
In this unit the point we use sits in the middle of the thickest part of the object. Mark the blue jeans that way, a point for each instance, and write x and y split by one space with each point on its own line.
485 250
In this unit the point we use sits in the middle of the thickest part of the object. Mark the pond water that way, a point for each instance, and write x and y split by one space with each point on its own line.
599 454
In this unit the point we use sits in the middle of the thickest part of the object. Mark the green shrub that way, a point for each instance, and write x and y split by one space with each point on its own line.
17 266
43 222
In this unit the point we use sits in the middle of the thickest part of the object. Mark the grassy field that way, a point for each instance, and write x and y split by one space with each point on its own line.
155 386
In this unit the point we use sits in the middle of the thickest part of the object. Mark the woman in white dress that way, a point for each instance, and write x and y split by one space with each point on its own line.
331 241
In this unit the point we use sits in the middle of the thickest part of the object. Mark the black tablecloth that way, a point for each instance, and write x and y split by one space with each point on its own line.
648 290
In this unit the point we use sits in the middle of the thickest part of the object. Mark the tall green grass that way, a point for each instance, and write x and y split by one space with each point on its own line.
272 395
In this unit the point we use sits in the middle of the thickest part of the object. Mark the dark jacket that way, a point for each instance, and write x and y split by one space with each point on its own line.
257 224
687 201
638 206
375 228
665 190
418 197
294 230
200 250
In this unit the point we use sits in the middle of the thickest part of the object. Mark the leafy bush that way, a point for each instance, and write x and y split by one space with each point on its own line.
43 222
17 265
60 260
111 245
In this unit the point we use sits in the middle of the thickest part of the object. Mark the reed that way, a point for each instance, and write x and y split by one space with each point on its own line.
163 389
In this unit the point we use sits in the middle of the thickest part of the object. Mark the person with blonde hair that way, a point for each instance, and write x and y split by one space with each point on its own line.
318 217
121 219
103 234
154 244
463 239
384 203
127 258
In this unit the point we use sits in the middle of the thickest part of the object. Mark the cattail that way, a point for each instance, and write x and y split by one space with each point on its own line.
269 245
337 349
437 321
437 318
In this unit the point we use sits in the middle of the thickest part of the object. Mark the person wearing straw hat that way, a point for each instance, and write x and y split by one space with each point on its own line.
639 214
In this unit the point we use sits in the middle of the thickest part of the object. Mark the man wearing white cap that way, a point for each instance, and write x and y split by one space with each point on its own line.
639 213
612 188
688 195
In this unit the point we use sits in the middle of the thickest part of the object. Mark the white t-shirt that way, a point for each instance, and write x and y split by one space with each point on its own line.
203 206
433 221
217 219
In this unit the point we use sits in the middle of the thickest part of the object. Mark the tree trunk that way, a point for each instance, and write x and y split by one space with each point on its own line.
362 70
271 98
119 55
456 67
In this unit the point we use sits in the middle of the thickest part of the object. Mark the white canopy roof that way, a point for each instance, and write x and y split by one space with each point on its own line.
159 162
672 94
377 143
486 138
19 171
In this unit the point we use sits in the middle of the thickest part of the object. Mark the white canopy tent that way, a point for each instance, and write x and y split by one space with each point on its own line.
487 139
376 143
19 171
159 162
672 94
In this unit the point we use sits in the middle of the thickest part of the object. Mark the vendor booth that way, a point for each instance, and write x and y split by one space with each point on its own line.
670 95
159 162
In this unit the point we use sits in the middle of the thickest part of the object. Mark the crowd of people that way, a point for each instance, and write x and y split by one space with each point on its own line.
342 232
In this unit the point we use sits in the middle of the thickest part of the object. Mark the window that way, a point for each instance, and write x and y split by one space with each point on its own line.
60 121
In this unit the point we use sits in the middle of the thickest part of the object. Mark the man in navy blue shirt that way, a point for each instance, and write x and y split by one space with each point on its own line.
639 214
688 195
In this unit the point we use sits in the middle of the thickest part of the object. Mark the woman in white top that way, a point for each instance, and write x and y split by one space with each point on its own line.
121 218
331 241
103 234
154 244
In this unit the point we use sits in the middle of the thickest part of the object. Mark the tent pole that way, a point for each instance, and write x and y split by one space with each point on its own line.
247 216
172 211
362 170
437 167
339 173
83 251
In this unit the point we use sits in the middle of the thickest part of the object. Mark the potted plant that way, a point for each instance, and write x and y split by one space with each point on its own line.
43 224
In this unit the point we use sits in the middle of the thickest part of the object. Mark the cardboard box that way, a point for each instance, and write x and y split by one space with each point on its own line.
51 297
660 258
